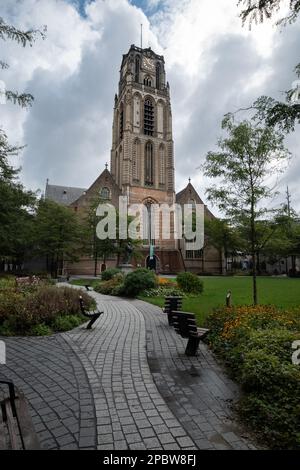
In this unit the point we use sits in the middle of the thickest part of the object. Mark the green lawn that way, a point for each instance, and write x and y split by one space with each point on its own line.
282 292
85 282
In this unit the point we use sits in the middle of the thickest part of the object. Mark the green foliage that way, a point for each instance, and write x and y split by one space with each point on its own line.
41 330
65 323
243 164
190 283
137 281
109 273
15 202
256 344
57 234
112 286
259 10
274 113
24 38
163 292
85 282
22 311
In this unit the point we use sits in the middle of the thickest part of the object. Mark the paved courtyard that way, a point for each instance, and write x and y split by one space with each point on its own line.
125 384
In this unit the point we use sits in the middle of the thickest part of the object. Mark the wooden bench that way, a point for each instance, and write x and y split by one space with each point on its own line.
172 303
185 325
93 316
16 427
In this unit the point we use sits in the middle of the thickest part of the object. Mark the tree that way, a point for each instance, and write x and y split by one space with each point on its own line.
16 205
23 38
57 235
99 249
15 202
247 157
102 249
273 112
259 10
223 237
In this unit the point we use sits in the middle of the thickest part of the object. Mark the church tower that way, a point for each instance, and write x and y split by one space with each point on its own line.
142 160
142 154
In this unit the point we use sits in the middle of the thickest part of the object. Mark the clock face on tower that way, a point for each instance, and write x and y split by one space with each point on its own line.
148 64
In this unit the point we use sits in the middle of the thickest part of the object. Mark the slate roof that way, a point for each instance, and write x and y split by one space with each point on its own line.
64 195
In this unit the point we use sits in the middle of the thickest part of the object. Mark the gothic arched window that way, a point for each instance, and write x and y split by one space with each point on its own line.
162 165
136 156
147 81
149 164
121 123
137 69
148 117
105 193
158 75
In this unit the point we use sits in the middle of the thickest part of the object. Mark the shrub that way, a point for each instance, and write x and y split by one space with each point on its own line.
163 292
138 281
190 283
109 287
40 330
22 311
109 273
255 343
64 323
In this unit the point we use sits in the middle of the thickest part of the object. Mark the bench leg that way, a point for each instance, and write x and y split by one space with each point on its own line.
170 318
192 346
92 321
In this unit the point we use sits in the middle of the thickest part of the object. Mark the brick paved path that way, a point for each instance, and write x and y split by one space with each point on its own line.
94 388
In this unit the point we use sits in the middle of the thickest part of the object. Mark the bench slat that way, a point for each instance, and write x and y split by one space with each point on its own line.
29 436
185 325
3 440
11 425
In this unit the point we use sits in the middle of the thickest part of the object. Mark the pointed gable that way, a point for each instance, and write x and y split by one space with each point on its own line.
103 187
188 194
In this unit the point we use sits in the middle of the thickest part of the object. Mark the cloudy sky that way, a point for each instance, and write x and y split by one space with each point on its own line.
214 65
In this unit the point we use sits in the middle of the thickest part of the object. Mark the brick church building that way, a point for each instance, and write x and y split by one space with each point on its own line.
142 165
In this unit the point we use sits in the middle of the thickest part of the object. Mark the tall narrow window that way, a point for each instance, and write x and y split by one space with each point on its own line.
147 81
136 160
105 193
158 75
121 122
137 69
148 117
117 168
162 165
149 173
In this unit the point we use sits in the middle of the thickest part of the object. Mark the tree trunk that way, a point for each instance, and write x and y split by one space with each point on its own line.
253 254
293 258
258 263
221 263
95 262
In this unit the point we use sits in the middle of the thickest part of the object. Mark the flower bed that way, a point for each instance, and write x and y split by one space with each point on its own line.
256 345
39 309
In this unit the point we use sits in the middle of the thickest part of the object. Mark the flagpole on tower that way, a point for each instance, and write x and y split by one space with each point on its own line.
141 35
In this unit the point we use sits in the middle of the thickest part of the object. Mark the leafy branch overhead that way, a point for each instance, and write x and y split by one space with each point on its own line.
258 10
21 37
24 38
285 114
